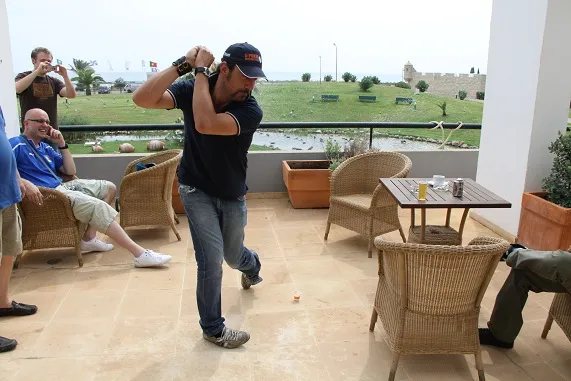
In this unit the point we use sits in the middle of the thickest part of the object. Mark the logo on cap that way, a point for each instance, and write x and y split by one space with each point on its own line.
252 57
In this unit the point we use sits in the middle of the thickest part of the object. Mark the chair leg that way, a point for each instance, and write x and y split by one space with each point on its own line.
176 219
371 239
78 254
17 261
480 365
547 326
175 231
402 235
327 230
394 365
374 317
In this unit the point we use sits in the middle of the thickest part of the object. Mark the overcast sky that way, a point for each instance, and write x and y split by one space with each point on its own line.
372 36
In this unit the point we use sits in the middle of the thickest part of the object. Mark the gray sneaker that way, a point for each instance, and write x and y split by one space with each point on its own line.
229 339
248 282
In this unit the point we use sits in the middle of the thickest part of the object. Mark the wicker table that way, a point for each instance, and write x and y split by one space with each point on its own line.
475 196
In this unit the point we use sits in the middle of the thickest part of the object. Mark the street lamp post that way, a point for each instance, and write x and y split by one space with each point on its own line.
335 62
320 70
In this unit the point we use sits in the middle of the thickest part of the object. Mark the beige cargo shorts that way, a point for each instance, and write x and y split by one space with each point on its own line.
11 228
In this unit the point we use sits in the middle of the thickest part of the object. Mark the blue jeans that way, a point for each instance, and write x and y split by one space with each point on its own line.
217 230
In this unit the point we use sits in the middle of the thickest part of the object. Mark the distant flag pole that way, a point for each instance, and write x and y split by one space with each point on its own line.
143 65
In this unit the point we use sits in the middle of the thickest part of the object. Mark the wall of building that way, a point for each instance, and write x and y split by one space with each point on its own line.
7 89
448 84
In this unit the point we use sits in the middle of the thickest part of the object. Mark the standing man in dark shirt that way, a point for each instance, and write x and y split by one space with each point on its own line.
220 118
36 89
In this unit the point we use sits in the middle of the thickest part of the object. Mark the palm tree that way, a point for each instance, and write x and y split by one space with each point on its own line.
87 78
79 65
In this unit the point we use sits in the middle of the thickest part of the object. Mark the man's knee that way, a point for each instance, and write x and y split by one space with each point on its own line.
111 190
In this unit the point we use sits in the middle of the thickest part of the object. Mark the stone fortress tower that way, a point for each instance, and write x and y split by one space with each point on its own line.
447 84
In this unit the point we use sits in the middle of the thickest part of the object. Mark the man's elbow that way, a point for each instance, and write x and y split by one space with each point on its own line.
201 126
141 100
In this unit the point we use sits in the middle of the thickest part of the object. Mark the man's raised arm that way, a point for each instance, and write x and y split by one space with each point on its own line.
153 93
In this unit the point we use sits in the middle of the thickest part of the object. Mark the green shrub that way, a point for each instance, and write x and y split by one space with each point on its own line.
402 85
353 78
480 95
558 183
328 78
442 107
375 80
305 77
366 83
462 94
347 76
422 86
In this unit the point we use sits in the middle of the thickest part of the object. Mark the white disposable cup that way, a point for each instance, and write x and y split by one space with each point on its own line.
438 180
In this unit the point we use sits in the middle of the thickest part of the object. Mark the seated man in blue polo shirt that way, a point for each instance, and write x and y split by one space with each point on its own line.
90 199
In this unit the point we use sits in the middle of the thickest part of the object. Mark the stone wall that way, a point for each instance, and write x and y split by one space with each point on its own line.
449 84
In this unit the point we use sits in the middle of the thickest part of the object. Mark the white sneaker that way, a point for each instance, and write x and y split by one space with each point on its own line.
95 245
149 259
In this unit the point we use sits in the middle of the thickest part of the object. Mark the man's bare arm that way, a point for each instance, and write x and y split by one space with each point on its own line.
206 120
68 166
153 93
69 90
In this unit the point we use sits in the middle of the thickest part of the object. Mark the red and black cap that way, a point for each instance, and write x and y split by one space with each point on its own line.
247 58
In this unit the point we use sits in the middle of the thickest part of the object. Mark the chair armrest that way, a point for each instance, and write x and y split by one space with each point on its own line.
54 203
382 197
482 240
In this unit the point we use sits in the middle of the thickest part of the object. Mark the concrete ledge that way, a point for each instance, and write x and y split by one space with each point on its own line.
265 167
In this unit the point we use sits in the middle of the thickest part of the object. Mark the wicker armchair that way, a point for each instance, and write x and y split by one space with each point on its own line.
560 311
358 202
146 196
50 225
428 296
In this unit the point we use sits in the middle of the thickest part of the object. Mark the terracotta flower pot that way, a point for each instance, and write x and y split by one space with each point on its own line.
543 225
307 183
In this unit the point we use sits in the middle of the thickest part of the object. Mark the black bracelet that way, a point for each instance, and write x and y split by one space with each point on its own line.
64 147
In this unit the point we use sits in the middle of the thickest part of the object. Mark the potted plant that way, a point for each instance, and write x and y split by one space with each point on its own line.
307 181
545 220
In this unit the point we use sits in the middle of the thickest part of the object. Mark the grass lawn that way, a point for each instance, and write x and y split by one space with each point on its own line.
293 102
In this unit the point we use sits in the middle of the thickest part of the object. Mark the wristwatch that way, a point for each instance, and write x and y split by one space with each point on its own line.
202 69
182 66
64 147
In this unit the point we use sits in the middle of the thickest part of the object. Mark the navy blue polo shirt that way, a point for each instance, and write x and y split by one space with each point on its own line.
31 168
216 164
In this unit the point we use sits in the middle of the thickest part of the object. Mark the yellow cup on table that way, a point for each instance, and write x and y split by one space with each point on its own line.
422 187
